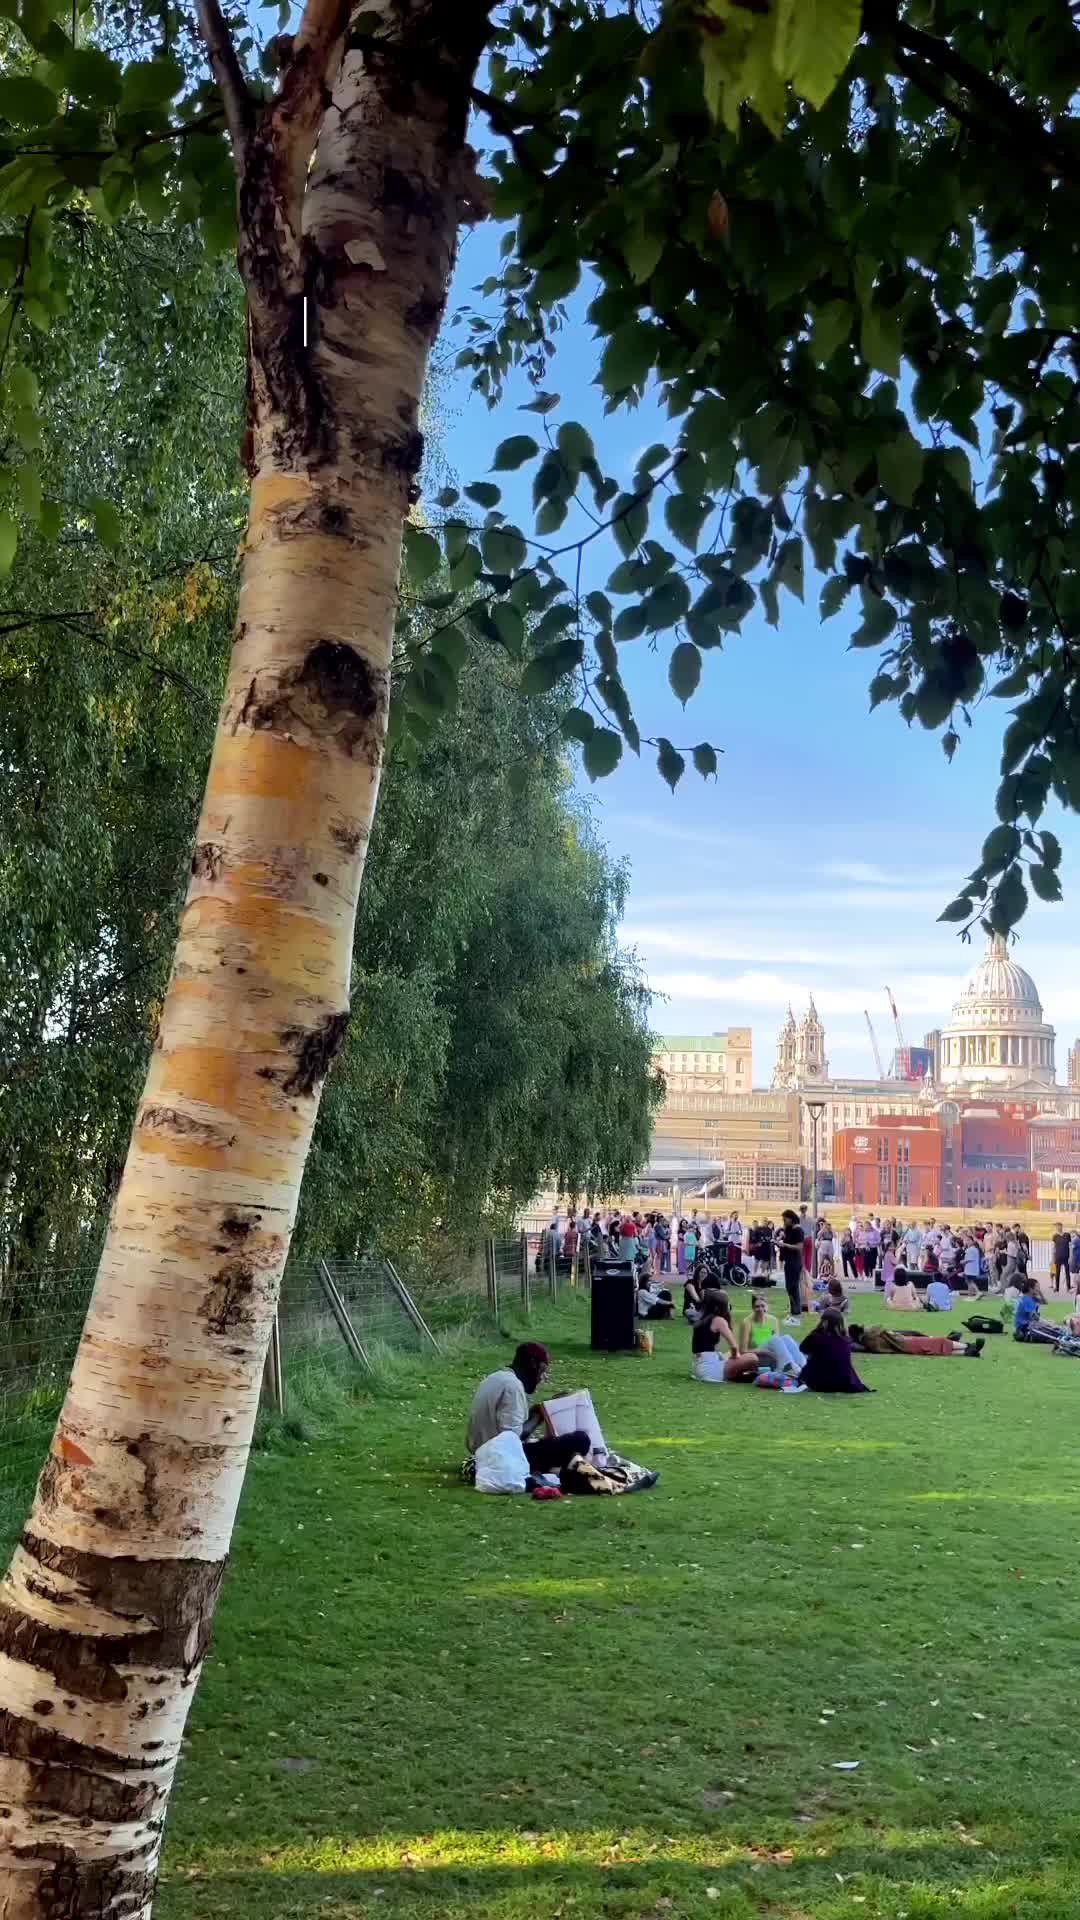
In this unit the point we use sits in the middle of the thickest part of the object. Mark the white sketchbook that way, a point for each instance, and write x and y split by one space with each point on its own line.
573 1410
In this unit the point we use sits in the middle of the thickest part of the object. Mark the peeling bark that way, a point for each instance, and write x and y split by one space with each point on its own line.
105 1610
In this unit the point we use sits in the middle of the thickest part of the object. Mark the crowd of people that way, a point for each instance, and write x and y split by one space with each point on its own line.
726 1348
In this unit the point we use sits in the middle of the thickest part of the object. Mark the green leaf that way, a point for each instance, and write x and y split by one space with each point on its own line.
629 521
22 386
448 497
630 623
150 83
600 607
959 909
671 765
108 525
879 339
555 620
788 568
667 604
455 535
685 516
628 356
878 621
504 549
833 595
451 645
90 75
26 102
484 492
422 554
900 467
509 624
27 429
575 444
514 452
577 724
684 671
705 760
551 666
642 249
958 466
832 326
28 489
1014 682
601 752
1001 845
9 540
1009 902
1051 850
1045 882
814 41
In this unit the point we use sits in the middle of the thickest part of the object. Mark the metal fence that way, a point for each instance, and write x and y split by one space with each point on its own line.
336 1319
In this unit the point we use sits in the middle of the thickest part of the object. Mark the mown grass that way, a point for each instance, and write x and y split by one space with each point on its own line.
422 1702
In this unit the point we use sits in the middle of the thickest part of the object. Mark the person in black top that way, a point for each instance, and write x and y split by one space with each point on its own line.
791 1254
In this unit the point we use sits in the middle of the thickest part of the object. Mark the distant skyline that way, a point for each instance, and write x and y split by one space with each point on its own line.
833 837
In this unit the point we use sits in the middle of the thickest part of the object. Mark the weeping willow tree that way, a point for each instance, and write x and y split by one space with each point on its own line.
795 217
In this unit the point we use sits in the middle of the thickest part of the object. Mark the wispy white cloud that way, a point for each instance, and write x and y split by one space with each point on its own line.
924 994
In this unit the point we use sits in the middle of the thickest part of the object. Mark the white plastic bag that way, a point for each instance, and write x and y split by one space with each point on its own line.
501 1466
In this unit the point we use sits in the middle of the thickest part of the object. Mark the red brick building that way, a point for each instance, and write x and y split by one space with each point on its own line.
894 1163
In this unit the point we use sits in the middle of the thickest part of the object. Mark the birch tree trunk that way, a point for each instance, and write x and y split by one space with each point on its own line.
106 1608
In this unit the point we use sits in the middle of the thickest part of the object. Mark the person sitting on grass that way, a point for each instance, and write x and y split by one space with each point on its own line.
654 1302
1027 1311
715 1353
886 1340
501 1405
835 1297
939 1296
904 1297
828 1352
760 1334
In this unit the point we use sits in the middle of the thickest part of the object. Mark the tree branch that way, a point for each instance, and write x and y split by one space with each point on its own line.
297 111
227 71
882 21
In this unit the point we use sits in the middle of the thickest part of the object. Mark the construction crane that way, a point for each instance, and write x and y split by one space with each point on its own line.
903 1051
874 1044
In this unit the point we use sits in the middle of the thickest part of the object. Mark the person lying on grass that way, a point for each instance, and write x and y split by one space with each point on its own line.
828 1352
501 1405
715 1352
885 1340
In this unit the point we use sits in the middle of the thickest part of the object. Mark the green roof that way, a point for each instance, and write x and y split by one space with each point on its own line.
691 1043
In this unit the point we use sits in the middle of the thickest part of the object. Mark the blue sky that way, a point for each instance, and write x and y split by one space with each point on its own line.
822 855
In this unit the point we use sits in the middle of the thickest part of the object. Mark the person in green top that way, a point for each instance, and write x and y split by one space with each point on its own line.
759 1327
760 1334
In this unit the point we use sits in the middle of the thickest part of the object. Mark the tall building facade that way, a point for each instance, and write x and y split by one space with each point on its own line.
707 1062
989 1091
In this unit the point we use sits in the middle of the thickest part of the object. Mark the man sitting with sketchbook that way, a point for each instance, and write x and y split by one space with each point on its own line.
501 1405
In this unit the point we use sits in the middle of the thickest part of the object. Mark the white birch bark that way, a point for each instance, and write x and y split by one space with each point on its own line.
106 1608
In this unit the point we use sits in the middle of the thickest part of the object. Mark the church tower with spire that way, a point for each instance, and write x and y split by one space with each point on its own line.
811 1066
784 1070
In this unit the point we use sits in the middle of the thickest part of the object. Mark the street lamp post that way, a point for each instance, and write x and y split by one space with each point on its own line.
815 1108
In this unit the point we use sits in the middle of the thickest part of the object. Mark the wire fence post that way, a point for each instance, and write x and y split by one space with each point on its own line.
273 1372
410 1305
553 1266
341 1314
526 1288
492 1277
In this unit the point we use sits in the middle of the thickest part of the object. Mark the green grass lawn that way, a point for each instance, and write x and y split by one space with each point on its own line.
424 1702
